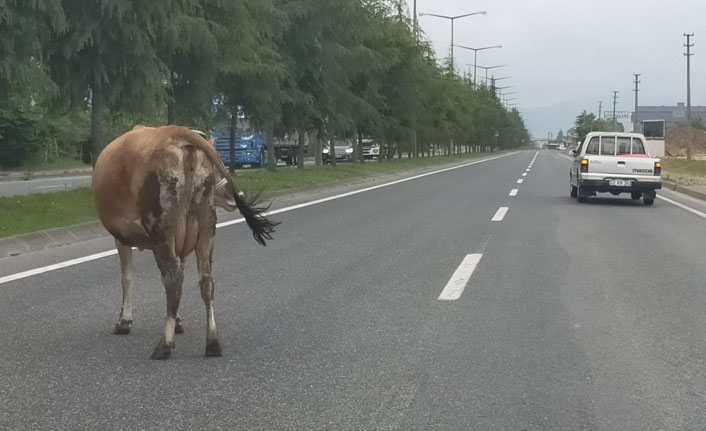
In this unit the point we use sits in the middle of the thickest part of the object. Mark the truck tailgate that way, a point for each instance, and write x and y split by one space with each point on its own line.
620 166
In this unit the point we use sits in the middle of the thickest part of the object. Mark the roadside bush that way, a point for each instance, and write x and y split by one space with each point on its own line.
20 134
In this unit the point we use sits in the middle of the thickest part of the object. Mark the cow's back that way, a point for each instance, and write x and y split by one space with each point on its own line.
150 184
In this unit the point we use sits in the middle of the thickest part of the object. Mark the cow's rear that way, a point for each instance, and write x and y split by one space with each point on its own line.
157 189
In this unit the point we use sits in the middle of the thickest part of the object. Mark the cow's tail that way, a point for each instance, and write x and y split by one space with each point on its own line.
251 208
254 213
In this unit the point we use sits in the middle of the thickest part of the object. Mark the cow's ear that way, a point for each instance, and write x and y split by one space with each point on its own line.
138 126
212 141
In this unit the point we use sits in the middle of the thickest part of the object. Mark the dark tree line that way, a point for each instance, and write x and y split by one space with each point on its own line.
76 73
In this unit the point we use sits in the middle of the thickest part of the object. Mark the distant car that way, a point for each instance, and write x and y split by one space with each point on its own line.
371 150
343 150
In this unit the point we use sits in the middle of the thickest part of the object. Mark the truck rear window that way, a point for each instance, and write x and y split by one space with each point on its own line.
612 145
630 146
593 146
607 145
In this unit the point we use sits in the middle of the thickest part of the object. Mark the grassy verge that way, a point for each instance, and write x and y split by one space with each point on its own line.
684 172
25 214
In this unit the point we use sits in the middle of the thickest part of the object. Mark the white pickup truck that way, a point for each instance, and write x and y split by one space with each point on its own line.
610 162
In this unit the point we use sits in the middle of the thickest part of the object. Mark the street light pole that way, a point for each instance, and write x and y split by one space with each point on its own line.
414 21
452 19
486 70
475 57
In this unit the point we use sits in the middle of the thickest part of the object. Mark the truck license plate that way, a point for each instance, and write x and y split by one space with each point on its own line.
620 183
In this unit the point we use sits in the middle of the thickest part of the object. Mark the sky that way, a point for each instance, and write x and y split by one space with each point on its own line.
565 56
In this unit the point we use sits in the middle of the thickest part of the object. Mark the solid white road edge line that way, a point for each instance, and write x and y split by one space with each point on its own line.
682 206
500 214
56 266
454 288
513 192
49 268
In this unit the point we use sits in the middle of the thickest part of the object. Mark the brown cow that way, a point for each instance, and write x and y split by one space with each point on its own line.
157 189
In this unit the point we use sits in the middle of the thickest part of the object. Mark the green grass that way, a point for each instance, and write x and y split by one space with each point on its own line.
684 172
292 178
25 214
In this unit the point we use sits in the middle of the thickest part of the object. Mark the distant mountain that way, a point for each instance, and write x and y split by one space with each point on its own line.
542 120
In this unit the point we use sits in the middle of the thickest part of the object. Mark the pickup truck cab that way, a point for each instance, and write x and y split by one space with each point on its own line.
610 162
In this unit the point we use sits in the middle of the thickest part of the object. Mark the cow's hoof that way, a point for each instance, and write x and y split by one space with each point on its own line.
179 328
213 348
162 351
122 327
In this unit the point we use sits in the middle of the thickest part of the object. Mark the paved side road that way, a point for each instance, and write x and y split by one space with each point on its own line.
43 185
475 298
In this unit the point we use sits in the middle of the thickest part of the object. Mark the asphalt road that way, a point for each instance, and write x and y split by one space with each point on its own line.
575 317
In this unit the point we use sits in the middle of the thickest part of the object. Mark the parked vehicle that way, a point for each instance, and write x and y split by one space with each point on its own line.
371 150
609 162
251 150
343 152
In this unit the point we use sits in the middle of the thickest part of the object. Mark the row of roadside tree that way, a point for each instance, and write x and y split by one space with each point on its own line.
74 74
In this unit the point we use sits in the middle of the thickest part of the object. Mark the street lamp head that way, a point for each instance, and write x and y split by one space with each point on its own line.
452 17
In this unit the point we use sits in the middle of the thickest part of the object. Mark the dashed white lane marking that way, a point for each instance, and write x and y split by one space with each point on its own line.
682 206
520 181
49 268
528 169
500 214
513 192
524 174
454 288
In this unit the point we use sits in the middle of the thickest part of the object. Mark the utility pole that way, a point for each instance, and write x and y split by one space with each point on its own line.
414 21
615 100
600 109
637 90
688 93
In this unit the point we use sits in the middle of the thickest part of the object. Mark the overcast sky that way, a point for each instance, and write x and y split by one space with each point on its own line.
572 54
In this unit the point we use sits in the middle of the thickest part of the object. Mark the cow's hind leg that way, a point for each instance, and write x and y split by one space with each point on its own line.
125 320
204 258
172 272
179 328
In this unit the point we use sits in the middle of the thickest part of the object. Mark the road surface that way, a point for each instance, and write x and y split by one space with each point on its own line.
462 300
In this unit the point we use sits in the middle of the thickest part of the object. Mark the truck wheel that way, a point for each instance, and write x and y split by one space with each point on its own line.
635 195
648 201
255 165
573 191
581 198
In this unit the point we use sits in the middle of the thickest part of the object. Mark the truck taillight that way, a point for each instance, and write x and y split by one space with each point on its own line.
658 168
584 165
